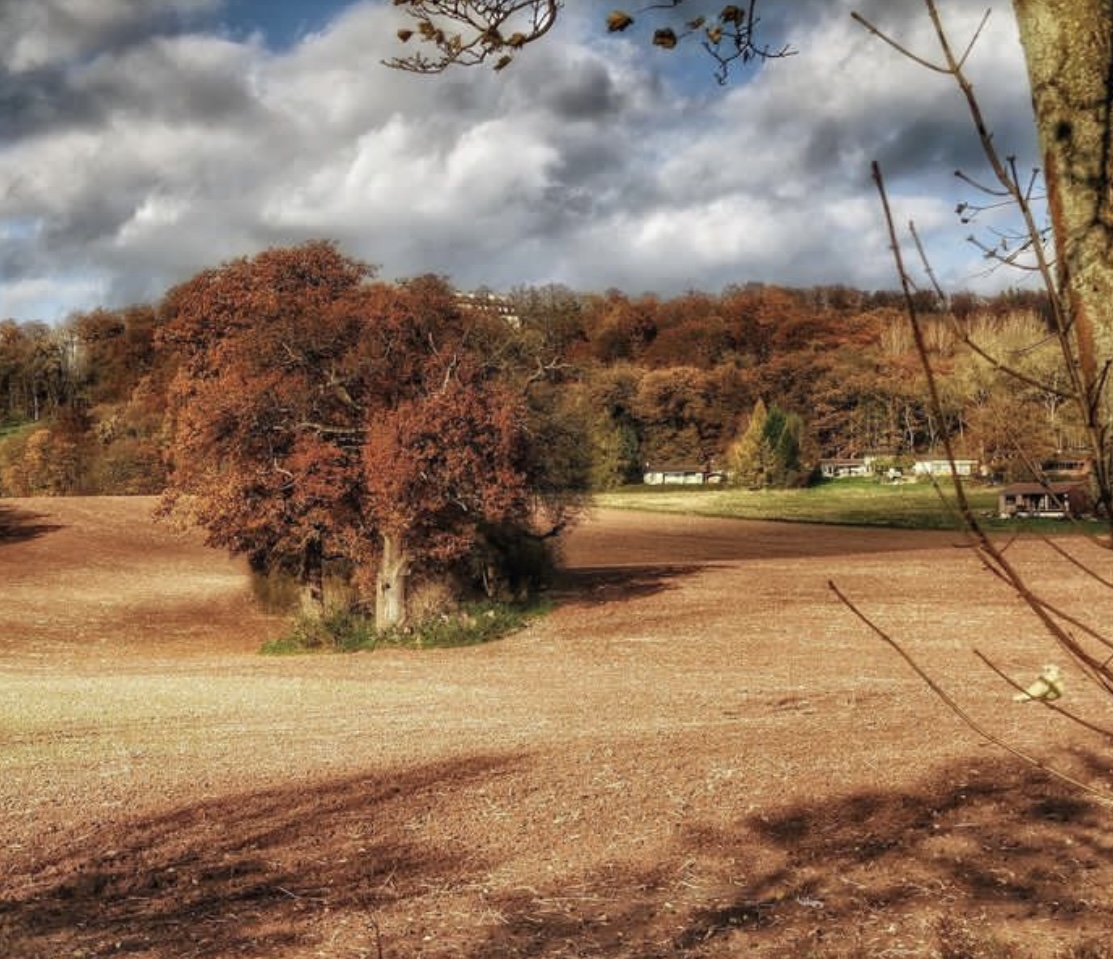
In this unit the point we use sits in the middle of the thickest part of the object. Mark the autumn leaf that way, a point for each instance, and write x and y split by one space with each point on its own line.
664 38
618 20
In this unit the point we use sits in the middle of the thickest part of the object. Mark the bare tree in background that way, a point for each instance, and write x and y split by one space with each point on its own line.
1068 47
1072 261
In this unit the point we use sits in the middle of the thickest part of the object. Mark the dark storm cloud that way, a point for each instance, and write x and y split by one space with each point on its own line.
97 216
199 81
39 100
63 33
52 52
148 81
589 94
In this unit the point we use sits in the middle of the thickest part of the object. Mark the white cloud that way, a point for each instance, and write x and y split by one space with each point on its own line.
49 298
138 154
45 32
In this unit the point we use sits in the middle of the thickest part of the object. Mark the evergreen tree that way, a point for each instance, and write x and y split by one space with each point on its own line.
767 453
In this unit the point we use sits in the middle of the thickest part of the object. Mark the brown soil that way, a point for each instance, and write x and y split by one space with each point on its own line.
700 753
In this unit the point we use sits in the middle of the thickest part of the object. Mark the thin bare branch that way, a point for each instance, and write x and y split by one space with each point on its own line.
955 707
935 403
993 557
1078 564
981 187
964 336
899 47
1055 707
974 40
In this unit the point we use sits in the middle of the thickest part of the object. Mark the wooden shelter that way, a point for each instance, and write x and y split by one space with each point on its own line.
1058 500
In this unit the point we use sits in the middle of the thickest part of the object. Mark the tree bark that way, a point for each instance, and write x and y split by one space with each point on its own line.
390 594
1068 46
312 579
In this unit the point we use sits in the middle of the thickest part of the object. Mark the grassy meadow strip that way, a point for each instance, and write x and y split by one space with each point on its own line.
845 502
12 430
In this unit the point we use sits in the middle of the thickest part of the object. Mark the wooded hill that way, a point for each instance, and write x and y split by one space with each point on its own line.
624 380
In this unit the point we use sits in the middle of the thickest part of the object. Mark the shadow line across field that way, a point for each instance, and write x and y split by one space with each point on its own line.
18 525
959 870
315 869
593 585
248 875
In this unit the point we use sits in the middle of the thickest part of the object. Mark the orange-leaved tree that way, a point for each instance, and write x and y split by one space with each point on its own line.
440 467
266 413
318 415
445 454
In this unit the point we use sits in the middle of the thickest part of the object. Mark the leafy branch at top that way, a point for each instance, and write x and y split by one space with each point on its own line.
727 36
470 32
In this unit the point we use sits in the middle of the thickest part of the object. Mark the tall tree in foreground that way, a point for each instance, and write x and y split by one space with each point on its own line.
1068 47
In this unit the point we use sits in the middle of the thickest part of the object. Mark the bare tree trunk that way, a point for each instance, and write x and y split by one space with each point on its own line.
1068 45
390 596
312 579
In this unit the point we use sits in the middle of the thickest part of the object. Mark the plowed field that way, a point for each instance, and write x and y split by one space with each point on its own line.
701 753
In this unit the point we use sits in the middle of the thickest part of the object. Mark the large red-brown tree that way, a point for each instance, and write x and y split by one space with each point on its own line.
265 429
318 414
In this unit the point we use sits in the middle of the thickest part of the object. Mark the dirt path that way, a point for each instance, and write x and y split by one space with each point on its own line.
701 753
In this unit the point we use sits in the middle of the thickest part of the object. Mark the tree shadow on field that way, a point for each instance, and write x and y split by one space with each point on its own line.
17 525
971 858
252 875
961 870
595 585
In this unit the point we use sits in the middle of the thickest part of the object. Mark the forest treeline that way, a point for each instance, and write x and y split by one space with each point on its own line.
636 380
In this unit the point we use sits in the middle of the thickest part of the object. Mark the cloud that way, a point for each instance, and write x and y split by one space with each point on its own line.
49 51
34 36
142 148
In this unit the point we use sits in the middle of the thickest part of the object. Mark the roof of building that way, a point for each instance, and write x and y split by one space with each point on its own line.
1033 488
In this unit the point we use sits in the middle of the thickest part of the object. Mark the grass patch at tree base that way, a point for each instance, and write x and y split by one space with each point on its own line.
349 631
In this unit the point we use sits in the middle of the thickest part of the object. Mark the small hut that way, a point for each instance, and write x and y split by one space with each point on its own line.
1056 500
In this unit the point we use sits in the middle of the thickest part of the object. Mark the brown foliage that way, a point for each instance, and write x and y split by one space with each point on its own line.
437 466
264 423
318 414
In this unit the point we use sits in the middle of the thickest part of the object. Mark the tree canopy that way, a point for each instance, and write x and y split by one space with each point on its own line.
317 414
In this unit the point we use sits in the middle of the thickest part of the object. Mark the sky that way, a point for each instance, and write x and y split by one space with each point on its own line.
142 141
